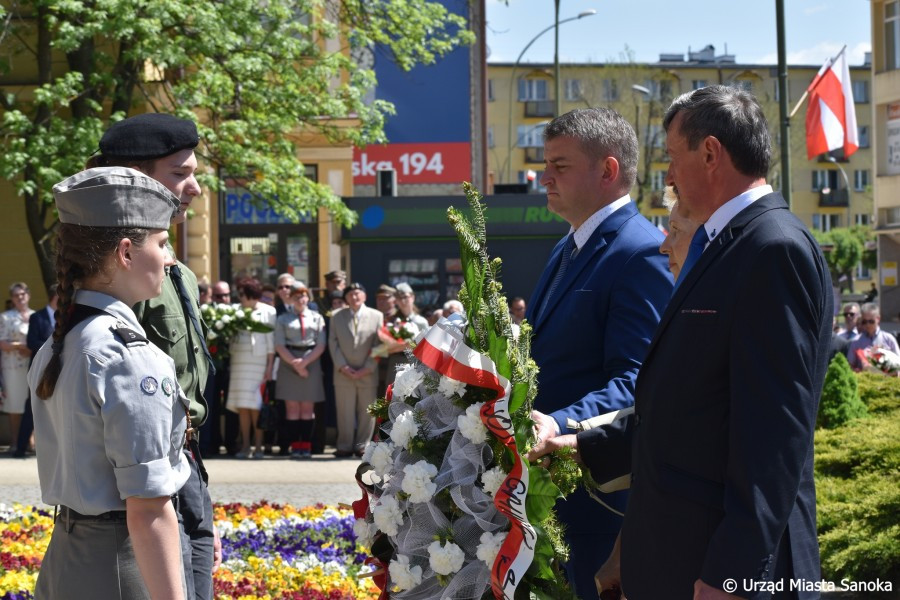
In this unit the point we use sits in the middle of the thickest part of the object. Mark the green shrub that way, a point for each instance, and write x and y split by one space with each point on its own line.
858 493
840 397
879 392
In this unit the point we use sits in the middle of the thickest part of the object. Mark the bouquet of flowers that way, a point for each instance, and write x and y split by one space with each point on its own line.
394 334
224 321
881 359
451 509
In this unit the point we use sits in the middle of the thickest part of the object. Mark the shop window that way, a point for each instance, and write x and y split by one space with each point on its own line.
421 274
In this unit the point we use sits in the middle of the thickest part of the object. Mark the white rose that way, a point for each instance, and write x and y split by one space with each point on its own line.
489 547
417 481
403 576
471 426
445 560
386 515
364 531
405 429
381 457
492 479
220 325
406 382
451 387
226 319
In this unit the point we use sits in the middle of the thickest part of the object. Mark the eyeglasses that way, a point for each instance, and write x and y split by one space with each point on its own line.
867 321
849 314
284 287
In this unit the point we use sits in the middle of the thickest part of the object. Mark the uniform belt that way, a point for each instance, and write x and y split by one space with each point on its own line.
299 347
67 513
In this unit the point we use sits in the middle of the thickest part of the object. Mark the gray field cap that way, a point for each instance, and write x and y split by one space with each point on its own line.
114 197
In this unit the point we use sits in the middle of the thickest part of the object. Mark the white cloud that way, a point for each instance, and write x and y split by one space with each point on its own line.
814 9
818 54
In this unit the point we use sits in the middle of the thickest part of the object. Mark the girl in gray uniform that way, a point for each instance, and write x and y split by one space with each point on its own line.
110 420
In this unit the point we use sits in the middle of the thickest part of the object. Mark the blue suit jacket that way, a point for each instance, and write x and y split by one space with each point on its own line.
593 335
39 330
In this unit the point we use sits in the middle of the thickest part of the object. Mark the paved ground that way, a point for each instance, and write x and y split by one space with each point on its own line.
322 479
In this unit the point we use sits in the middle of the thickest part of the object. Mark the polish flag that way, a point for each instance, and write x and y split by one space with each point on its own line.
831 116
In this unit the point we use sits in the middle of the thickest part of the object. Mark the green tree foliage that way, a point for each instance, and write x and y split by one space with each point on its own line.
845 248
255 75
858 488
840 396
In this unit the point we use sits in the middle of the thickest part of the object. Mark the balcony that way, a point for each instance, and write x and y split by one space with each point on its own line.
534 155
540 108
833 198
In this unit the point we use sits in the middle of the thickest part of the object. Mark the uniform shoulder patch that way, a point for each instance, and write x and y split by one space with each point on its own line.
129 336
149 385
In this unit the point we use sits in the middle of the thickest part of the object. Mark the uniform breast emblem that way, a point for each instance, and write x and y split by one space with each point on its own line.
167 386
149 385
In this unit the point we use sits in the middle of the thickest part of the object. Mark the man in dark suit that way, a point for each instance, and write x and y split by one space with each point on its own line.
40 327
722 492
596 305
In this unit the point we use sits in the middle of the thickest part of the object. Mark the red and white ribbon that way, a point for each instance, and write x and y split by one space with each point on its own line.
443 349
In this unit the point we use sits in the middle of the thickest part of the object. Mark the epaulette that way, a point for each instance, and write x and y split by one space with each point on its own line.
128 336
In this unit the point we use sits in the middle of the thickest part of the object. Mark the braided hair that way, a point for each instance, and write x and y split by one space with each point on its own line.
81 253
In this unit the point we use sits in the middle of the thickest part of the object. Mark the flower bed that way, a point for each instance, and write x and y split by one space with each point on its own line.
270 551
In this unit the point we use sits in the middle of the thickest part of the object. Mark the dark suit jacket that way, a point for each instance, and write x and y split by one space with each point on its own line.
39 330
592 338
725 410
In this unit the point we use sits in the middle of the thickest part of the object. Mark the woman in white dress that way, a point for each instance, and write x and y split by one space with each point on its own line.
252 355
15 358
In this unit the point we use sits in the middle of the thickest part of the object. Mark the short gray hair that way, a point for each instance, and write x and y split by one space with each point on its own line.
871 307
602 132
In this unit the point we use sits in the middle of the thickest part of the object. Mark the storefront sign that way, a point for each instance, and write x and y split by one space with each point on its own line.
239 208
440 162
889 272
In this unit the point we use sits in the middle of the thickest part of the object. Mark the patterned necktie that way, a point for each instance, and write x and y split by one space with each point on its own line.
178 280
698 243
560 272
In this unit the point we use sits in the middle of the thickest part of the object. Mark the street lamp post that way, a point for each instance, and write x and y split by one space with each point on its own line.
556 78
834 161
512 78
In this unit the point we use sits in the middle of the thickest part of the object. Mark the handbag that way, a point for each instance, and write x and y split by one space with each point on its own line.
268 414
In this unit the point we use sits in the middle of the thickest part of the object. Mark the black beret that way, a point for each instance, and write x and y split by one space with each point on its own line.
149 136
352 287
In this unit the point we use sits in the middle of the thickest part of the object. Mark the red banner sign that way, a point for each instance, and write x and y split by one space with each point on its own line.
443 162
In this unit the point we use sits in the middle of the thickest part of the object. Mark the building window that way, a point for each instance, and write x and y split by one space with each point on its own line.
661 222
743 84
696 84
659 90
610 90
862 272
573 90
863 131
826 223
490 136
530 136
860 91
657 180
824 178
532 89
533 179
862 219
777 95
892 35
490 90
860 179
656 136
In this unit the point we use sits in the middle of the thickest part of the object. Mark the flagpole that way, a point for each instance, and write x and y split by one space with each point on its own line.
782 106
806 93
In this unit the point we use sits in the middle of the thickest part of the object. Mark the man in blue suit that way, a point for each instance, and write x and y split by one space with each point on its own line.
40 328
595 307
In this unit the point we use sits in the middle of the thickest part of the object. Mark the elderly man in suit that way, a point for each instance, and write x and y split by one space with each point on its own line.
723 500
595 306
352 333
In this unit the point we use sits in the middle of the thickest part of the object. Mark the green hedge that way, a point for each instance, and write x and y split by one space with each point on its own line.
840 397
858 488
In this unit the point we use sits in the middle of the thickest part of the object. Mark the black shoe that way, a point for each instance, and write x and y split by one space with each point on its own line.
343 453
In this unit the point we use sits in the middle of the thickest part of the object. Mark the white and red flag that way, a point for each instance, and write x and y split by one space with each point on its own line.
831 115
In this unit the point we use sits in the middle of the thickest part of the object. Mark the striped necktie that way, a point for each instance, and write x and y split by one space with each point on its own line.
560 272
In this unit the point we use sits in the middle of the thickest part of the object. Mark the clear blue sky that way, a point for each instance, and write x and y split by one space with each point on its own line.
815 29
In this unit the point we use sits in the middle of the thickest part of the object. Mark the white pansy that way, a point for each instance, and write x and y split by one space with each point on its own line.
492 479
489 547
381 457
451 387
386 515
364 531
445 559
403 576
405 429
406 382
417 481
471 425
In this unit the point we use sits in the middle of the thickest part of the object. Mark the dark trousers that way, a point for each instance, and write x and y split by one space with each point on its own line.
25 429
197 534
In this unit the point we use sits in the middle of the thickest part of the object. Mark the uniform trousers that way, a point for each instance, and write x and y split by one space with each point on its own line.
90 559
197 535
352 399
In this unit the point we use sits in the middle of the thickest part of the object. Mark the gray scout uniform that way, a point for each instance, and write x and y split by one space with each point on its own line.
114 428
300 340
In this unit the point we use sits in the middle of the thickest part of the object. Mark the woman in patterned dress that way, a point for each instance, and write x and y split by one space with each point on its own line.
15 359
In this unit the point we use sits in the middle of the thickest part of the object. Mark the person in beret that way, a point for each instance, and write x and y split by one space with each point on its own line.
101 388
162 147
